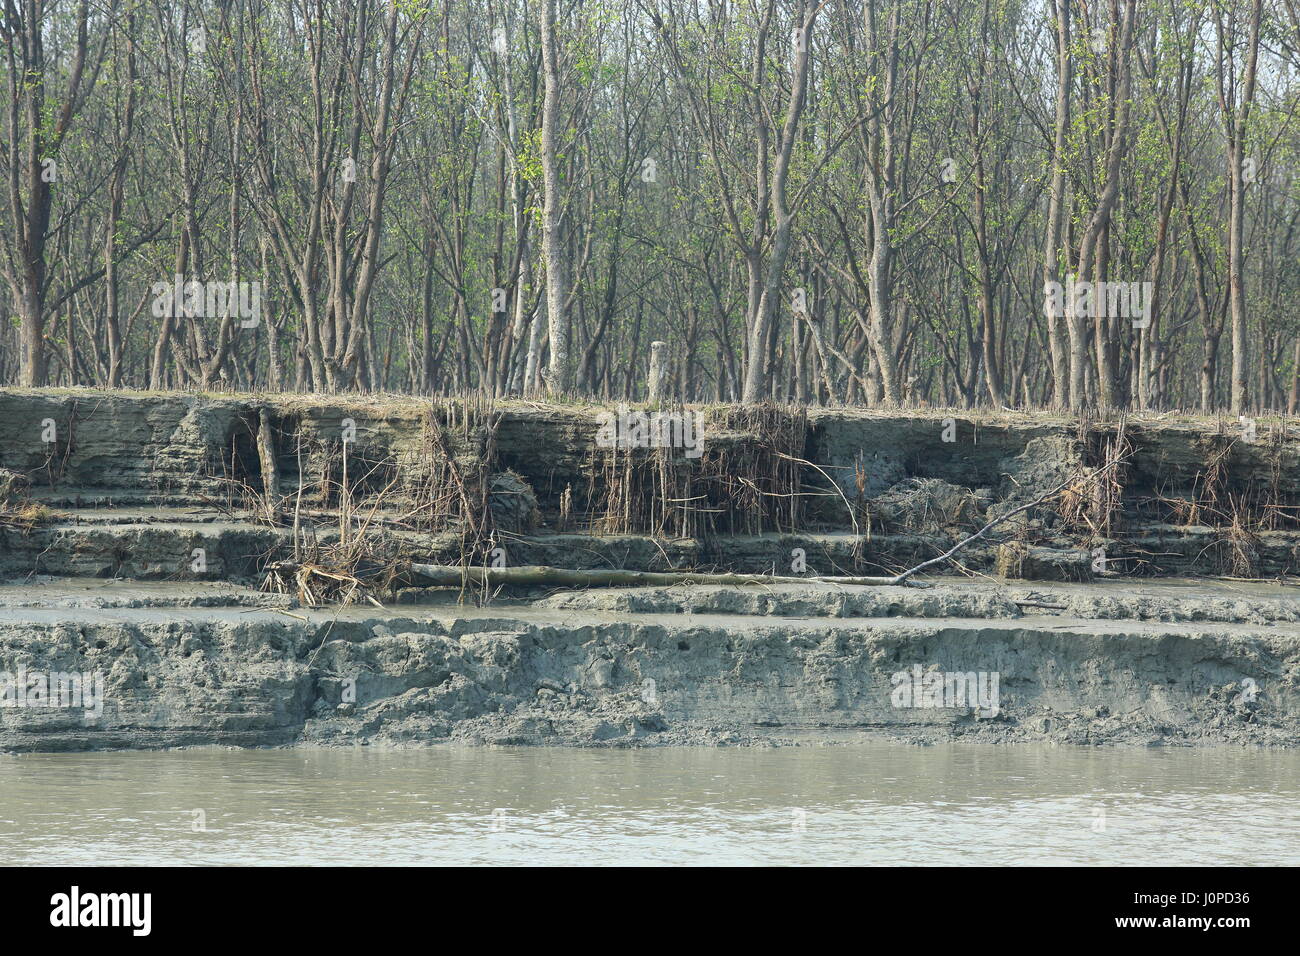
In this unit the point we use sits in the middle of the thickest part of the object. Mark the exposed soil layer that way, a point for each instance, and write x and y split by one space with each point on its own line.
1088 664
135 530
134 483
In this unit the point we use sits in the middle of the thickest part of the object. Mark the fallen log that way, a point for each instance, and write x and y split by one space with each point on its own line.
443 575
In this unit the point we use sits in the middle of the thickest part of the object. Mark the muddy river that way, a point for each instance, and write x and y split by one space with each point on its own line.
876 803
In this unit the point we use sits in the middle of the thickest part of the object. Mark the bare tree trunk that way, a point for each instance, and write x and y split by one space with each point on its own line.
1095 229
46 125
758 373
169 320
560 376
1236 113
381 135
880 219
1293 399
116 190
657 382
1056 336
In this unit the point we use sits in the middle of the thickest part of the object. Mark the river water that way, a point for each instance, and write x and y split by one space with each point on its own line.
876 803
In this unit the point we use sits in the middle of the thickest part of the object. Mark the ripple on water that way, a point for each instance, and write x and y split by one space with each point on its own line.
875 803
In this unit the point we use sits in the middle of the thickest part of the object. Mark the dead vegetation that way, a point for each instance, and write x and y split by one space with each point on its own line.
1227 497
23 516
748 479
17 512
352 496
926 505
348 507
1237 548
1092 508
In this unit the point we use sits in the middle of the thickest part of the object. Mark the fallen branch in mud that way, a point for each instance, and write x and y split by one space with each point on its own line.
438 575
442 575
1043 604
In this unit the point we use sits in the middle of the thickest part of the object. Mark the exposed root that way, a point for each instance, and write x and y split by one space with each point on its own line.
748 479
1091 504
1238 546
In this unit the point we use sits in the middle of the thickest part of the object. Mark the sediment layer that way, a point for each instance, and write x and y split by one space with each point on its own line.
189 665
134 483
139 531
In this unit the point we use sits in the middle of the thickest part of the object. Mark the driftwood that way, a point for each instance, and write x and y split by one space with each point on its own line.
436 575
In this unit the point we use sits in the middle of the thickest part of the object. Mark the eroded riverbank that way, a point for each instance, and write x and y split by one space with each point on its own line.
1192 663
246 570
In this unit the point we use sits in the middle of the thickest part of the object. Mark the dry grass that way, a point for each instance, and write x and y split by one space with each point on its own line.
357 563
23 516
1238 546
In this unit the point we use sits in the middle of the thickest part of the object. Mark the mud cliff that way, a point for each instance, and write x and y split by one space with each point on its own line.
136 482
191 665
139 534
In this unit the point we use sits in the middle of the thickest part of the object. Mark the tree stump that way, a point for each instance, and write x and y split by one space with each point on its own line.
658 379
